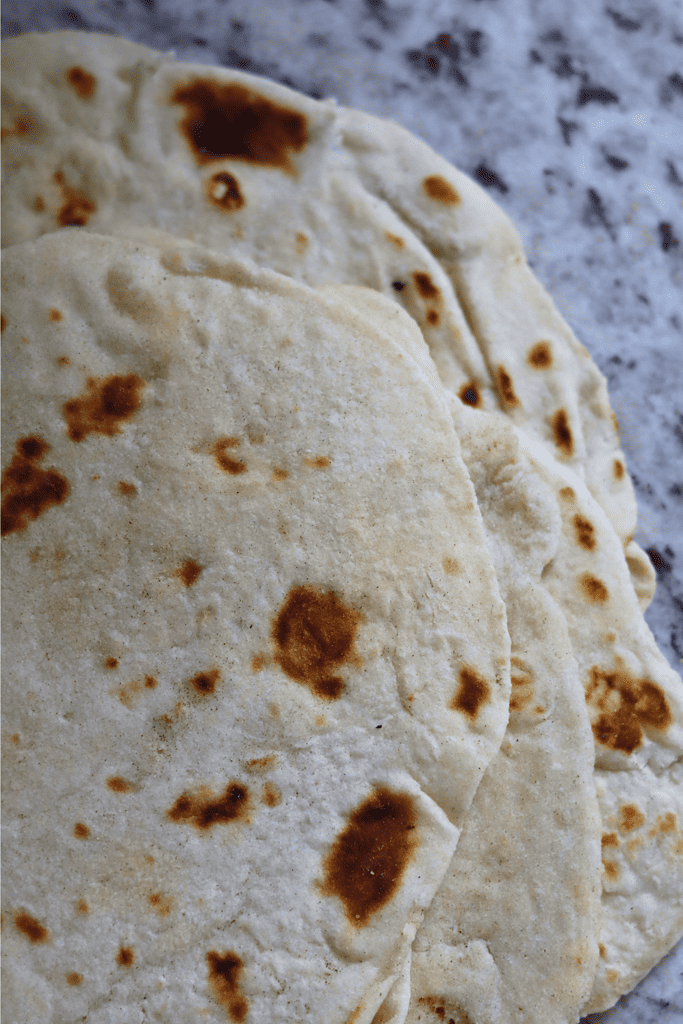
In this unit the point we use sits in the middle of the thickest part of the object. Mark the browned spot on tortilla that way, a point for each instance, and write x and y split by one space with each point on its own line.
223 191
262 764
258 662
567 494
205 682
108 402
189 572
81 81
125 956
301 242
39 204
625 704
585 532
441 190
271 795
611 870
111 663
14 738
3 322
74 978
505 388
540 355
82 907
593 589
472 693
81 831
440 1006
76 210
27 490
226 462
370 856
469 394
433 318
203 810
313 634
610 839
522 680
425 286
160 903
118 785
615 422
562 432
602 951
317 462
30 927
150 682
451 566
665 823
126 488
618 469
630 818
224 978
279 474
55 315
233 121
63 361
395 240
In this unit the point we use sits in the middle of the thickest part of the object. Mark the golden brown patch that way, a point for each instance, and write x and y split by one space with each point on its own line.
126 488
425 286
615 422
203 810
562 432
505 387
450 566
189 572
610 839
472 693
160 903
262 764
368 859
630 818
81 82
224 977
107 403
233 121
39 204
522 680
441 190
82 907
395 240
118 785
440 1006
150 682
81 831
76 210
469 394
204 683
433 318
27 490
625 704
567 494
602 951
618 467
665 823
313 634
226 462
258 662
74 978
55 315
111 663
593 589
317 462
125 956
301 242
223 191
14 738
31 928
271 795
540 355
611 870
3 322
585 532
279 474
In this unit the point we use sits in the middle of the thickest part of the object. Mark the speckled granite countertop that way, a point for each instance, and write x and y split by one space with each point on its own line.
572 115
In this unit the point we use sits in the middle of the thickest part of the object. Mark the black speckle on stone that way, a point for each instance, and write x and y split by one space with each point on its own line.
667 239
678 429
672 175
625 24
563 66
674 644
616 162
447 45
675 322
676 82
423 62
660 565
615 359
489 179
380 12
372 44
535 57
567 128
642 298
196 41
594 212
72 18
672 86
676 490
596 94
631 364
317 40
554 36
149 4
669 552
475 43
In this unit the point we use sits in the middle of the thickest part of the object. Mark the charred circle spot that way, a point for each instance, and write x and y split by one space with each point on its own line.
189 572
398 286
425 286
472 693
81 81
76 210
205 682
125 956
111 663
232 121
203 810
224 978
585 532
55 315
469 394
567 494
224 191
505 388
150 682
81 831
593 589
630 818
624 705
562 432
117 784
74 978
226 462
313 634
618 469
31 928
441 190
108 402
28 491
433 318
368 859
540 355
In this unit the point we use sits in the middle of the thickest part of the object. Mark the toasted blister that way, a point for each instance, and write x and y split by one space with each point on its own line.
248 698
109 136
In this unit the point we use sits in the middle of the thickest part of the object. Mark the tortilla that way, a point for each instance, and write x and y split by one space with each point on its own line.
248 697
118 139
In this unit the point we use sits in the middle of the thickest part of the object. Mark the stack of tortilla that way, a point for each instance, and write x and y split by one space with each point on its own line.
328 693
